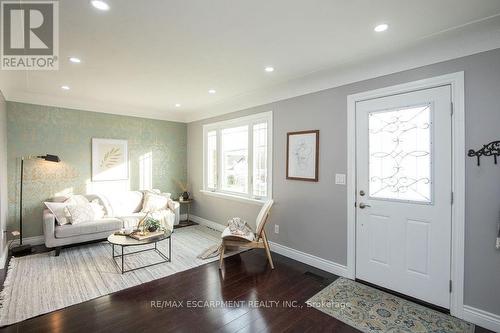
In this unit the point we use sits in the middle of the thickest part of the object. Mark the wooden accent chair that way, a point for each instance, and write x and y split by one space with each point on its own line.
259 241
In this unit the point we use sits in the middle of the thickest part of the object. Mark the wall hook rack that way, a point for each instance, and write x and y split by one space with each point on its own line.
491 149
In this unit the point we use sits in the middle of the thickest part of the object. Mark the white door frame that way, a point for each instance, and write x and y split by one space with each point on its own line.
456 81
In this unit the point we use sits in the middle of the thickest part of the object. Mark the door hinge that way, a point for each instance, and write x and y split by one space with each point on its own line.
452 198
451 283
451 112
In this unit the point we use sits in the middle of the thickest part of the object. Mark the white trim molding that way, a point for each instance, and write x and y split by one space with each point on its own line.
309 259
482 318
456 81
207 223
306 258
238 198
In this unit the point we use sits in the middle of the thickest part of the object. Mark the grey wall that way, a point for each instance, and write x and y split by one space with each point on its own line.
3 174
312 216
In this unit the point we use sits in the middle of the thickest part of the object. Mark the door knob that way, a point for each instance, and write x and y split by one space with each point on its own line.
363 205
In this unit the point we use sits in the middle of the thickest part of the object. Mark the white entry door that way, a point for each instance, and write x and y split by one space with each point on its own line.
404 198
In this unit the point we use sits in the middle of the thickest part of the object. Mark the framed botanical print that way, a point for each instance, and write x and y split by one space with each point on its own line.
109 159
302 155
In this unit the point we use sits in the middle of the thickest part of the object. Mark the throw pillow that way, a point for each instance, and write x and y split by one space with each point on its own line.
81 213
59 211
77 200
98 209
154 202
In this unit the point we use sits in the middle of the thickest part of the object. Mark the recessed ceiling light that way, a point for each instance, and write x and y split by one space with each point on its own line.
269 69
177 105
99 4
65 87
212 91
381 27
75 60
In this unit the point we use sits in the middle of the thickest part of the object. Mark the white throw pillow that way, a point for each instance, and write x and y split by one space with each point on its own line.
154 202
81 213
98 209
59 210
77 199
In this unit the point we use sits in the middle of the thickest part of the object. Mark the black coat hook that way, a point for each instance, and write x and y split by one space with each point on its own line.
491 149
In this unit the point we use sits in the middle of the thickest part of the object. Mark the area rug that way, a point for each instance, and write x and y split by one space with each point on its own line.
42 283
371 310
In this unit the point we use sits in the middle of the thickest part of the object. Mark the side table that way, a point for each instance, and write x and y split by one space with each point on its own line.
188 204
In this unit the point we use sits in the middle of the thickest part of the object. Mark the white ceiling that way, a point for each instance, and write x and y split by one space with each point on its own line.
142 57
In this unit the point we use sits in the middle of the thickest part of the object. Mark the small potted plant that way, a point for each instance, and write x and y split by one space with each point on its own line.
152 225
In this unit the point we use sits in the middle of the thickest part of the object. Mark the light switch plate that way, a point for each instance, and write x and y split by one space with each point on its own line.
340 178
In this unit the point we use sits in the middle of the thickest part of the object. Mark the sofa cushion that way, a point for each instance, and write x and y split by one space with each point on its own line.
131 220
91 227
154 202
124 203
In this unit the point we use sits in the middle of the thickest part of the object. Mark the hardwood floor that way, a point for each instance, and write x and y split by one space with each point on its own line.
246 277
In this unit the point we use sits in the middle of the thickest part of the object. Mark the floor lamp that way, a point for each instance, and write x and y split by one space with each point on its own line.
23 249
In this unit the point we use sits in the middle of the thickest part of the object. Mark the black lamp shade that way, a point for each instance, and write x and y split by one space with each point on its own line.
51 158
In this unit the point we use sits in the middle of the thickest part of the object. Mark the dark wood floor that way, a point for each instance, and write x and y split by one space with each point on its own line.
246 277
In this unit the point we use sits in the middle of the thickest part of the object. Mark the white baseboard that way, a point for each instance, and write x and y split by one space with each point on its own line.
303 257
309 259
482 318
36 240
207 223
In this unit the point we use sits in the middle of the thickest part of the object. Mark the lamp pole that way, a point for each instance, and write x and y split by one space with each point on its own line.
26 249
21 204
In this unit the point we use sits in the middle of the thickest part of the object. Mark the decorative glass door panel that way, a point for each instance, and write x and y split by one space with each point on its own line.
400 154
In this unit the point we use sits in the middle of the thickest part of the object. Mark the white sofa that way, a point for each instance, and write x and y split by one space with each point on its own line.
123 210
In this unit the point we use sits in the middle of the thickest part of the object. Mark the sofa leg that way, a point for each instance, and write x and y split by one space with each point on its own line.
58 251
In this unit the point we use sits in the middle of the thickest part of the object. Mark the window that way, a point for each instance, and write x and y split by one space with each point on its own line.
400 149
237 157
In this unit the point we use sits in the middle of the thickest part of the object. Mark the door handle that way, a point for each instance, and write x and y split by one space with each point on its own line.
363 205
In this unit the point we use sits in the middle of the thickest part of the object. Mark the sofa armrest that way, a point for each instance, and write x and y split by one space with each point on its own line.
176 208
49 225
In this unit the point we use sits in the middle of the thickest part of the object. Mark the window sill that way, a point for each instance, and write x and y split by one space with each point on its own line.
232 197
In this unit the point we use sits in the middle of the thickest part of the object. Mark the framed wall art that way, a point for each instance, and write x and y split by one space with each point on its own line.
302 156
109 159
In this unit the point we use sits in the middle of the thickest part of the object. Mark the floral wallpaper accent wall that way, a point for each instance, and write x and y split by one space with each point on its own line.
38 130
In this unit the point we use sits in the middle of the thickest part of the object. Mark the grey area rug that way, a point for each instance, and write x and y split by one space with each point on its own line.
42 283
371 310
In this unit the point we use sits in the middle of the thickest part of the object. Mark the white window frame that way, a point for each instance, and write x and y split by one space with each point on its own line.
249 121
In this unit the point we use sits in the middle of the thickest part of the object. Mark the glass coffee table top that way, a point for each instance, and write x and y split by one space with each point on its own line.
129 241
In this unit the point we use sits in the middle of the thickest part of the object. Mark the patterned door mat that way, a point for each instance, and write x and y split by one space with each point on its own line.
371 310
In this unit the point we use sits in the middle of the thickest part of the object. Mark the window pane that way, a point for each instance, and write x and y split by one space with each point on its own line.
212 159
400 154
260 160
235 159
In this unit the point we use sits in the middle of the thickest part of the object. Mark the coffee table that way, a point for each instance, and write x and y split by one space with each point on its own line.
124 241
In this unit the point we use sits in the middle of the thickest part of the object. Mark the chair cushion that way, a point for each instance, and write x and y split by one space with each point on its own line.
92 227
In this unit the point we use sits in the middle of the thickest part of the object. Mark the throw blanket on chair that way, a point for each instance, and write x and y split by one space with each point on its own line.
237 228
